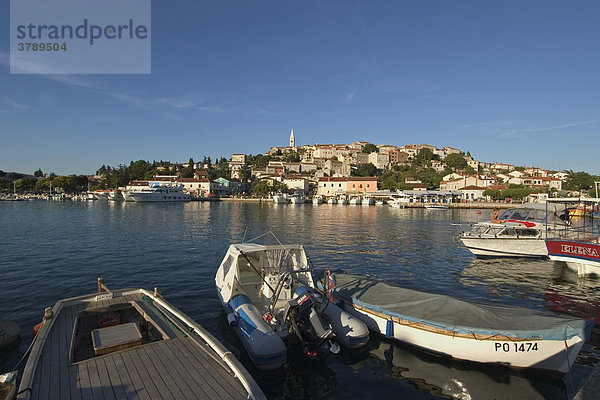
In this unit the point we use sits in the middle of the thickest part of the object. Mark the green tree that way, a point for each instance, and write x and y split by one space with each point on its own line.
423 157
367 169
260 188
455 161
370 148
39 173
291 156
580 181
43 185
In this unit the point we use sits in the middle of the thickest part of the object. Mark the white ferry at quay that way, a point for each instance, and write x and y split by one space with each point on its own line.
156 191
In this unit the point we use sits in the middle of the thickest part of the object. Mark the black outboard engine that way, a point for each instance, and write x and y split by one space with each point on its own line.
306 324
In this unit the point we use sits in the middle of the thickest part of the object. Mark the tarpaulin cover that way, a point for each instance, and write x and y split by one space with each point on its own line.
458 315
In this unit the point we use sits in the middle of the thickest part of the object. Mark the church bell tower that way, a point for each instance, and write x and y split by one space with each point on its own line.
292 140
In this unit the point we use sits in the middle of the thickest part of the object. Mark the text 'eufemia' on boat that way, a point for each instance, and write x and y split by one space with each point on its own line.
512 336
270 297
129 343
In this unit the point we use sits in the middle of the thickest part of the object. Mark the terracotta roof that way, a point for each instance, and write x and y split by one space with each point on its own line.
472 187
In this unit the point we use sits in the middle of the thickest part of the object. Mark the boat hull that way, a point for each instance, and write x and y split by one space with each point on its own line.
544 355
505 247
581 257
264 346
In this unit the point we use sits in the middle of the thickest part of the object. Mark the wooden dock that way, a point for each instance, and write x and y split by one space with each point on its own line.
180 365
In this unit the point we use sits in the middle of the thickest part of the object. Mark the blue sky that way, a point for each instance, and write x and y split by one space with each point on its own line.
511 81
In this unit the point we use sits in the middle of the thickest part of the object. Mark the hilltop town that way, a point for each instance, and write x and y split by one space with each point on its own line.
329 170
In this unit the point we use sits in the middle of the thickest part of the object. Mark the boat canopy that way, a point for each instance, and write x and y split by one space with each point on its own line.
266 259
457 315
535 212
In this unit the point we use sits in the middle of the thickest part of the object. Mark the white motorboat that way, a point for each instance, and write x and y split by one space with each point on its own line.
269 294
519 232
297 199
156 191
355 200
578 243
434 206
342 200
332 200
280 198
367 201
399 202
317 199
495 334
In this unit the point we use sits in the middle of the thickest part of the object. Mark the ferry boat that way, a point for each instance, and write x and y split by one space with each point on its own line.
270 295
155 191
518 232
578 243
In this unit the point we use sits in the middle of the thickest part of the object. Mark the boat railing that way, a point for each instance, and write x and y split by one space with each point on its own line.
224 354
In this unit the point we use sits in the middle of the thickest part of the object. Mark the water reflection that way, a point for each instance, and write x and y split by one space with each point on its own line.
448 379
54 250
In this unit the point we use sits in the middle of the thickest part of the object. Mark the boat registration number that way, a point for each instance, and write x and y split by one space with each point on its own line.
516 347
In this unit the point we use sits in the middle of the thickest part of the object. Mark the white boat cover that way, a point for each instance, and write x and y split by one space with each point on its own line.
456 315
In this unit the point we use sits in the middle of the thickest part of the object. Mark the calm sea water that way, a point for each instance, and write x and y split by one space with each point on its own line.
54 250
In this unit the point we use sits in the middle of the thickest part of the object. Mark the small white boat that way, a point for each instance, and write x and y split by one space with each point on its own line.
342 200
511 336
281 199
518 232
269 294
354 201
297 199
317 200
578 244
380 203
367 201
435 207
332 200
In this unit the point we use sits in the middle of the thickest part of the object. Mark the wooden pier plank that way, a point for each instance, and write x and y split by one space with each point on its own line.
199 374
136 380
164 372
153 380
224 379
64 335
182 376
84 382
95 384
74 388
122 375
105 383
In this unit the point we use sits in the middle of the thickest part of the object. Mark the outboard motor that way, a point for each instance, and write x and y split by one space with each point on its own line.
304 321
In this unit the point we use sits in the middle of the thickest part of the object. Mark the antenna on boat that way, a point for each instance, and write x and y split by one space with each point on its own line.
244 238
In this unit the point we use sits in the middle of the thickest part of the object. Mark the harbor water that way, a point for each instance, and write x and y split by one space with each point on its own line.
54 250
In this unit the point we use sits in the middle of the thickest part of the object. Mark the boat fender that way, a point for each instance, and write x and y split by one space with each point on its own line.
389 328
36 328
231 320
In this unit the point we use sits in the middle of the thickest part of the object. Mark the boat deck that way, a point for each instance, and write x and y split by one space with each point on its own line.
180 366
